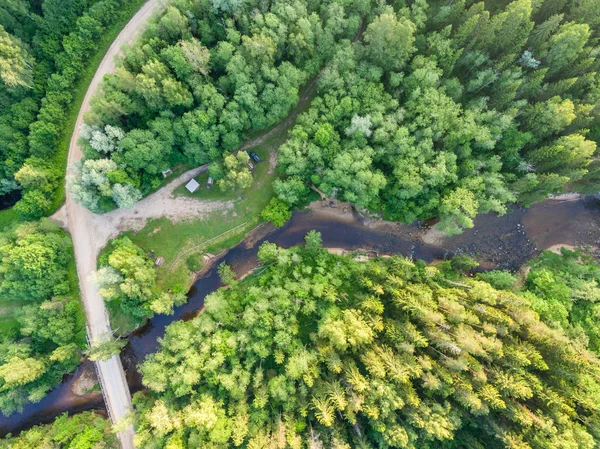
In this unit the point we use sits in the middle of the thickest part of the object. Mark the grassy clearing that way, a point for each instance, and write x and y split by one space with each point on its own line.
121 323
110 34
220 230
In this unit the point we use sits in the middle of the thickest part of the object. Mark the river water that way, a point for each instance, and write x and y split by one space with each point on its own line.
496 242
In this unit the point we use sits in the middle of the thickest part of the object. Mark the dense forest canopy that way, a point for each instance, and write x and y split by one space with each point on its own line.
85 430
44 48
423 108
420 109
202 76
42 326
565 290
320 350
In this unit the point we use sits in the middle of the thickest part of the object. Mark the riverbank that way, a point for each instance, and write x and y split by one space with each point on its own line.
67 397
500 241
505 242
207 220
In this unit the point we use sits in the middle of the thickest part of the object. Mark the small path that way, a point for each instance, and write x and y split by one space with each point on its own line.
203 244
163 203
306 95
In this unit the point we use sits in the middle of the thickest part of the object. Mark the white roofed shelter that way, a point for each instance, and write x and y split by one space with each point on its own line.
192 186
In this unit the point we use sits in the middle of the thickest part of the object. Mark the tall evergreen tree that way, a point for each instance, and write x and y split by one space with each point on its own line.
324 351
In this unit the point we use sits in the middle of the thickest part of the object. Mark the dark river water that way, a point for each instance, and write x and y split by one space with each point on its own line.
496 242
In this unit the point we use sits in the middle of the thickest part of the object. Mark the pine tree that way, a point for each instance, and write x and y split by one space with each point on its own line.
399 356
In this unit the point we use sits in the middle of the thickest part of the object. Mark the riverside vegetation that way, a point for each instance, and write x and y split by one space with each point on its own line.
82 431
127 280
437 109
319 350
42 324
423 109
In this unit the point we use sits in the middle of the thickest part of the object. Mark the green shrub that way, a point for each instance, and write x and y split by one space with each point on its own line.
276 212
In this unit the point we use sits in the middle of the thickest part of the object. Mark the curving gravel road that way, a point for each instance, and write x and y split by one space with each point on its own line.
79 222
91 232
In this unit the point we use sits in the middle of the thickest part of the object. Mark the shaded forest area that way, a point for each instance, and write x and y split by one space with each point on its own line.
44 48
440 109
319 350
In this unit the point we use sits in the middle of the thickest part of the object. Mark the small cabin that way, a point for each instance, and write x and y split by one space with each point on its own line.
192 186
166 172
210 182
159 261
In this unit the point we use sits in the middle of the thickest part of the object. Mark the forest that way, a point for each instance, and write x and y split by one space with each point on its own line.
42 324
44 48
411 109
320 350
423 109
85 430
190 88
563 289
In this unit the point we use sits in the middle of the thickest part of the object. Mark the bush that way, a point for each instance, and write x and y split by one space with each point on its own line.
195 262
276 212
500 280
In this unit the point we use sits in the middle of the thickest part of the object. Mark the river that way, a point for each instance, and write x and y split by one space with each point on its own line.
496 242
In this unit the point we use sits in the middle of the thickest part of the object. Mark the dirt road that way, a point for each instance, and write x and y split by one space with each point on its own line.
80 222
163 203
91 232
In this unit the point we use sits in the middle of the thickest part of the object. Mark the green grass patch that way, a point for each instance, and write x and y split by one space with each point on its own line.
219 230
110 34
121 323
8 218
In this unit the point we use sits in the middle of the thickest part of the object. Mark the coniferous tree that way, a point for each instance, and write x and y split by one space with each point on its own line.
324 351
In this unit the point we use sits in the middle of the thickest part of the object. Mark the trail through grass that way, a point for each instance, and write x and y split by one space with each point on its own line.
171 240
